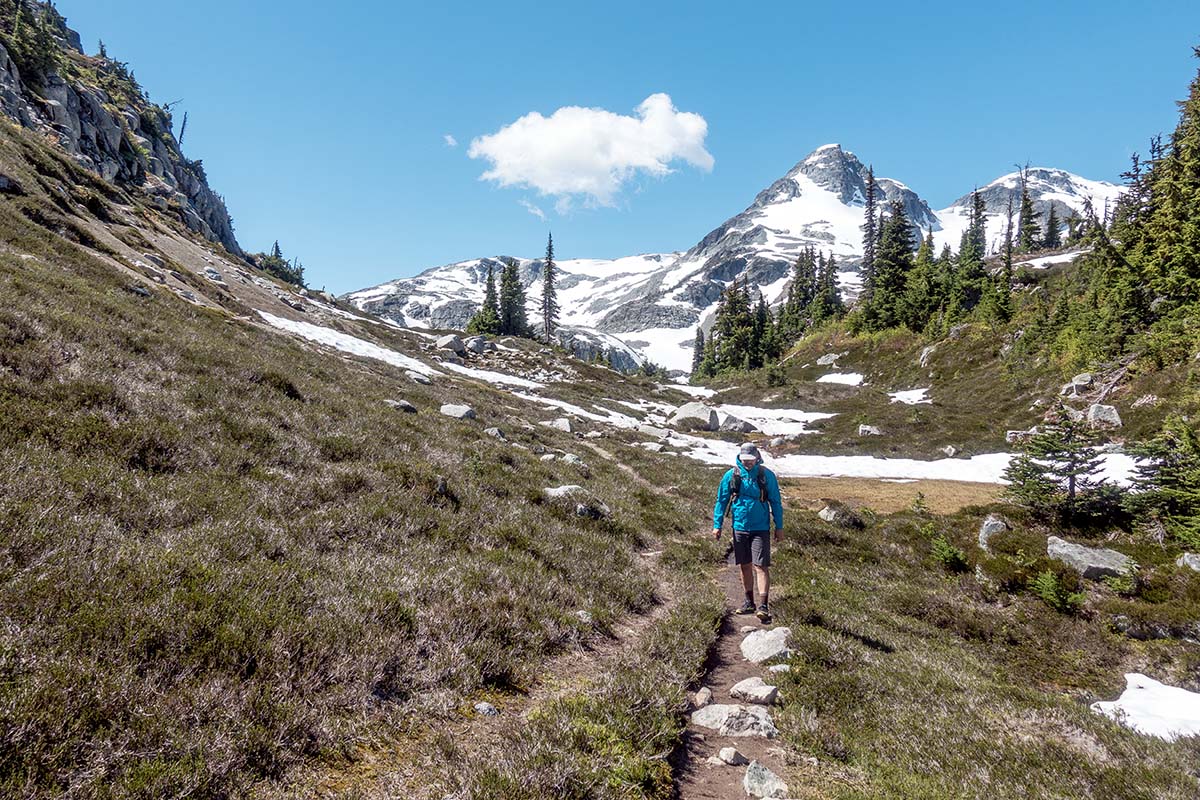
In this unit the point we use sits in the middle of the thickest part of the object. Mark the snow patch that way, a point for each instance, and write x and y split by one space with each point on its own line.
1154 709
493 377
346 343
911 397
846 378
775 421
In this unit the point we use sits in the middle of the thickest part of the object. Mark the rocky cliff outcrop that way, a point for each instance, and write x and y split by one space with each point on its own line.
98 114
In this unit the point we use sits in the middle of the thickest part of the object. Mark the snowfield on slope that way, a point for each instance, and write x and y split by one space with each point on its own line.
346 343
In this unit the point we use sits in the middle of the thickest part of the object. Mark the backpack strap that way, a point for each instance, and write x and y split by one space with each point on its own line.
761 477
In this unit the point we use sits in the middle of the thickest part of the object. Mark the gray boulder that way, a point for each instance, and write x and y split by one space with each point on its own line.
402 405
732 424
754 690
561 424
486 710
452 343
1189 560
993 524
950 450
703 697
869 430
838 514
761 782
763 645
476 344
735 720
1091 562
458 412
1100 416
417 377
695 416
650 430
829 359
496 433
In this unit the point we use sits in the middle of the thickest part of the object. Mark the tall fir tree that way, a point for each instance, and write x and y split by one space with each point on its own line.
1053 237
549 292
513 320
1167 481
922 294
487 319
893 261
1058 466
697 350
870 229
827 304
1029 232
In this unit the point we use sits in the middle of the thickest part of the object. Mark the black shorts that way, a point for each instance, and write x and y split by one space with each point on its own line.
752 547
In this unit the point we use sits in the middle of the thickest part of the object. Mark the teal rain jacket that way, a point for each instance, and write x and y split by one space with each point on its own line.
749 512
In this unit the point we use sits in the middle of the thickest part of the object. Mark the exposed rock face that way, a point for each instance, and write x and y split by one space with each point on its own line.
869 430
731 424
1189 560
1091 562
124 138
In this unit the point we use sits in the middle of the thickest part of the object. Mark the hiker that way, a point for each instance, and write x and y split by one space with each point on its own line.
751 492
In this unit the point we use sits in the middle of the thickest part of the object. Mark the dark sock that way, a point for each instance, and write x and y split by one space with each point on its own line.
750 598
764 601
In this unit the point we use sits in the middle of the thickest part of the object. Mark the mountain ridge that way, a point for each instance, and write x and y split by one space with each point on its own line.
653 302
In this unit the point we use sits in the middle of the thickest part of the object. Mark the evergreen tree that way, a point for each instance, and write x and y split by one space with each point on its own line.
893 261
1167 481
1062 456
698 350
1029 232
487 319
275 251
708 361
970 277
513 321
827 304
1053 239
734 330
549 293
870 229
922 293
760 333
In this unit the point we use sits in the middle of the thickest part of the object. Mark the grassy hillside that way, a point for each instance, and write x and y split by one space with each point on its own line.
224 554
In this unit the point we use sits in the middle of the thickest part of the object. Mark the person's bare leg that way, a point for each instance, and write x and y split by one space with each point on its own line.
763 575
748 580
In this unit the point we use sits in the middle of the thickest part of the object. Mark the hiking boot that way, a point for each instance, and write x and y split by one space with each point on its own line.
747 608
764 616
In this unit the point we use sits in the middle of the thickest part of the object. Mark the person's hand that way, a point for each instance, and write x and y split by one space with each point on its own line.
778 535
716 533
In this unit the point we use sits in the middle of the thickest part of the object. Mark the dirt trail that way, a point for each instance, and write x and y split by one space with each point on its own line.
696 779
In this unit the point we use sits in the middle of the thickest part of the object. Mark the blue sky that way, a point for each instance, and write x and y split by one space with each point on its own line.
323 124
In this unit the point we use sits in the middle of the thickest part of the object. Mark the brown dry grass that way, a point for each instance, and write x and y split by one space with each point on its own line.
886 497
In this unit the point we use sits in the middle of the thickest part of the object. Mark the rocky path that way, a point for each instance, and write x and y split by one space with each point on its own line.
701 774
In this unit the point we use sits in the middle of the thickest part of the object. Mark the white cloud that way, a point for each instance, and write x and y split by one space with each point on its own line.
532 209
590 153
450 140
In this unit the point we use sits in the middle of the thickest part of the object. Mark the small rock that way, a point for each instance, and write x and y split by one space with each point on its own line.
713 761
748 629
838 514
593 435
732 424
458 412
778 441
1083 380
829 359
1091 562
1189 560
496 433
140 291
761 782
476 344
417 377
1016 437
703 697
561 424
650 430
990 527
1100 416
593 509
452 343
562 491
736 720
155 259
402 405
548 457
950 450
869 430
571 458
486 710
585 616
754 690
731 756
763 645
779 668
653 447
1146 400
